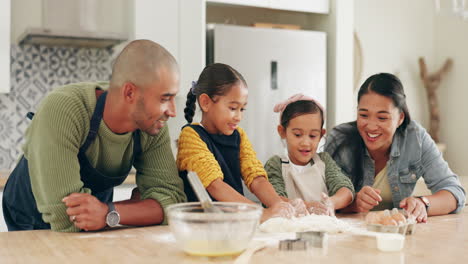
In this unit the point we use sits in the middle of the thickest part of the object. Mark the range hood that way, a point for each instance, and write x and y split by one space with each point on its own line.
81 23
79 38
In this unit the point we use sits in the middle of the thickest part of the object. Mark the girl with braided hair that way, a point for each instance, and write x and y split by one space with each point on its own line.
217 149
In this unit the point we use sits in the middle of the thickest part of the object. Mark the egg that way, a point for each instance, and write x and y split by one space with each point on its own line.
372 218
399 218
388 221
384 213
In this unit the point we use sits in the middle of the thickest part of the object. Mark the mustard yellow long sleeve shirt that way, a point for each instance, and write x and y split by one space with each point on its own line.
193 155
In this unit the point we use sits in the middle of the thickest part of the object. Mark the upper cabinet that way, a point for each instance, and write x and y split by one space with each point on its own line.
5 11
71 22
179 26
256 3
310 6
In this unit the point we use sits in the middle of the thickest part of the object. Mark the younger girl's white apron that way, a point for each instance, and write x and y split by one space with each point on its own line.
306 183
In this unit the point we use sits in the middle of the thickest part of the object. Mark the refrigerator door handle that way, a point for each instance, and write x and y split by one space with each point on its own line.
274 75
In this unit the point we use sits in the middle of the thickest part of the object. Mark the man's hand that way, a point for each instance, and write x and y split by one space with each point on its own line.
86 211
367 198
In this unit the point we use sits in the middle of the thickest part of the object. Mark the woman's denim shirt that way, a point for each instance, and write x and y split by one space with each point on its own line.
413 155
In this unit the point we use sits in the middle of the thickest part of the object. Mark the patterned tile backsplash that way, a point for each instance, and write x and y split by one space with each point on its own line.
36 70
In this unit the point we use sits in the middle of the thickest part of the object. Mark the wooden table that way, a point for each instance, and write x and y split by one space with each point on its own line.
444 239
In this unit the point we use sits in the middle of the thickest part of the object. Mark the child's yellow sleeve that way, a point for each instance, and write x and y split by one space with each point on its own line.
251 167
194 155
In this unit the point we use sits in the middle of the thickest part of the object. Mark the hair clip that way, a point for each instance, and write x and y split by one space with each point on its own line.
192 89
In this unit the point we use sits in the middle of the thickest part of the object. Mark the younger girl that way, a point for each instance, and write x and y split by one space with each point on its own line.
303 173
216 148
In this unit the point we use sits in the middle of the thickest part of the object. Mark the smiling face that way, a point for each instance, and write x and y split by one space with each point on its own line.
302 135
156 104
377 121
222 114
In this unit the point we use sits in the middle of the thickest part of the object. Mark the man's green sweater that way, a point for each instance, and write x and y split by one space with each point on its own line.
53 140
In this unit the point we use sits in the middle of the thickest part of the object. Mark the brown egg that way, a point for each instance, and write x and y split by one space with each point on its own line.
384 213
399 218
372 218
388 221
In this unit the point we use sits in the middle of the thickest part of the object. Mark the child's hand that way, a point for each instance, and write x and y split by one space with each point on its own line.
317 207
327 201
281 209
300 207
322 207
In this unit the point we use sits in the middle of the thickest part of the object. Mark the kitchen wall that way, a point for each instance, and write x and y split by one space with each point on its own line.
36 70
394 34
451 41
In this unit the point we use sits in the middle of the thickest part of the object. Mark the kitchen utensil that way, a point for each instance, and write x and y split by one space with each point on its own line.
201 193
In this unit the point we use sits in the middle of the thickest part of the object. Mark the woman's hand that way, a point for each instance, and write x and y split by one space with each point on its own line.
367 198
415 207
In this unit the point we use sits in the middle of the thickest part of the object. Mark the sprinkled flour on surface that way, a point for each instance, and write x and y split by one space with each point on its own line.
322 223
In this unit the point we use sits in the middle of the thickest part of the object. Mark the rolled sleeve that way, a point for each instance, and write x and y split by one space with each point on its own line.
157 177
437 174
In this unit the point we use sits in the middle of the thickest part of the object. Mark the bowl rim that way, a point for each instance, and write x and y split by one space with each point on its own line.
177 205
253 211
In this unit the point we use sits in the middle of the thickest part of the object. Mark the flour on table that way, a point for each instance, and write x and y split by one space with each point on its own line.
312 222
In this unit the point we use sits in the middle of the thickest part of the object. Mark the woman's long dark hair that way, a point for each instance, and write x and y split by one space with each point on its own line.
384 84
215 79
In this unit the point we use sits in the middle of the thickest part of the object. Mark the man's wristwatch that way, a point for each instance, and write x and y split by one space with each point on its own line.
113 217
425 201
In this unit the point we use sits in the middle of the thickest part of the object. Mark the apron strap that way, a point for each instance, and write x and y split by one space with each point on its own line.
95 121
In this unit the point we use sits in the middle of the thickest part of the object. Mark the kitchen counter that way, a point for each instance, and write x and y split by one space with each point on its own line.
156 245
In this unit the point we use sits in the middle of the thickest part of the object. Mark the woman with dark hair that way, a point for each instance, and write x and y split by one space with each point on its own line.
384 153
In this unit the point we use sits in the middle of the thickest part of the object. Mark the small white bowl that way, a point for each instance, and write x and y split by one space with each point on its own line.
390 242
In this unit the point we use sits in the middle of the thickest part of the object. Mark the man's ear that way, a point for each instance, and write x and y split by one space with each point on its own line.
205 102
281 131
129 91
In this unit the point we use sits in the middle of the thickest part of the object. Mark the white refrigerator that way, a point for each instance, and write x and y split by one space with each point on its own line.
276 63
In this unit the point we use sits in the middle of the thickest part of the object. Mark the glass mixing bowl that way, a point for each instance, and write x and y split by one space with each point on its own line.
213 234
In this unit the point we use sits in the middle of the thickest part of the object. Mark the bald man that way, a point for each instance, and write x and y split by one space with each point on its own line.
85 138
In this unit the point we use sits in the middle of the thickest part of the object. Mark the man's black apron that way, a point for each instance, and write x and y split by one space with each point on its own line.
19 206
226 150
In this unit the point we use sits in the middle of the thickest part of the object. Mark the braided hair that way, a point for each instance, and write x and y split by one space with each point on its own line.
215 80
